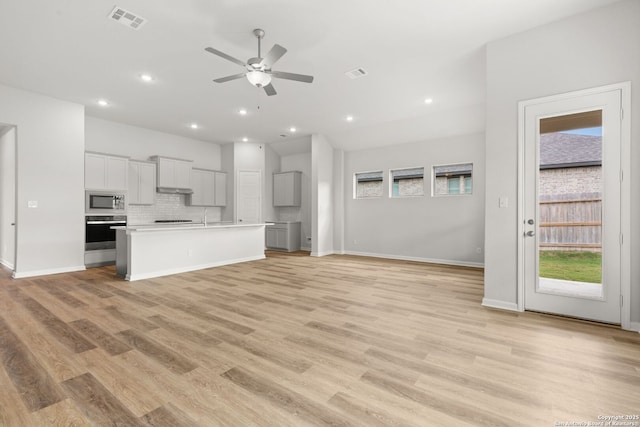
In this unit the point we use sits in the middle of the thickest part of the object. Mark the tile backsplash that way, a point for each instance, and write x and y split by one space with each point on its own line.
170 206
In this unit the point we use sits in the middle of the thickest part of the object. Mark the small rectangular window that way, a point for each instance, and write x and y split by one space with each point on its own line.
367 185
407 182
453 179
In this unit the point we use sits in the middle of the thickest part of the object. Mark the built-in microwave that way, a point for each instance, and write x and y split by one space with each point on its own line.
105 202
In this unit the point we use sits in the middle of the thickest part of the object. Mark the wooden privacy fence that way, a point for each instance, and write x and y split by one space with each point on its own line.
571 222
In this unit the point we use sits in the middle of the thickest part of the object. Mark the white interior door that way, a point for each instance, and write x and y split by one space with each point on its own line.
249 197
571 230
8 196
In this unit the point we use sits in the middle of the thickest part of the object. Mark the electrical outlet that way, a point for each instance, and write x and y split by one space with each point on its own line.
478 250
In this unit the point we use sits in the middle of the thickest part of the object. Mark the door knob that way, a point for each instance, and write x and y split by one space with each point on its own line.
530 233
530 222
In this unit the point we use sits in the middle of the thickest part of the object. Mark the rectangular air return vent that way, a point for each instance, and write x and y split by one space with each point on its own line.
354 74
127 18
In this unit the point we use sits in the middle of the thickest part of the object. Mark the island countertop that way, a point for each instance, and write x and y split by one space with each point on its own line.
146 251
186 226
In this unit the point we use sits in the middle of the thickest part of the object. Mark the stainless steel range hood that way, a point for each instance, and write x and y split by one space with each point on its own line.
171 190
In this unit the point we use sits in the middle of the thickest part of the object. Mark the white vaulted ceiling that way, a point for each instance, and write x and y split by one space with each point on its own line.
411 49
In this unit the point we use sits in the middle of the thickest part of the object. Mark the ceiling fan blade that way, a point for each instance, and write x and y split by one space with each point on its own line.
274 54
292 76
225 56
270 90
229 78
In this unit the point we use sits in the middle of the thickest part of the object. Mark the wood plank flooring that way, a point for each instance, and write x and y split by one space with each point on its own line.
299 341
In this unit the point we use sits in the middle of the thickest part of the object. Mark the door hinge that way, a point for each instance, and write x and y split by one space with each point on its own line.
621 114
621 239
621 301
621 175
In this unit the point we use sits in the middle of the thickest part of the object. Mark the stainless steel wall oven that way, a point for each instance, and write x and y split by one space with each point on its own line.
98 232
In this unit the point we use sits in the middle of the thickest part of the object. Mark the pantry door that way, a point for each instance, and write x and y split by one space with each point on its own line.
249 197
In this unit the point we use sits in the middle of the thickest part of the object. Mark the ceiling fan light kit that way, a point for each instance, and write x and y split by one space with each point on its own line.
259 71
258 78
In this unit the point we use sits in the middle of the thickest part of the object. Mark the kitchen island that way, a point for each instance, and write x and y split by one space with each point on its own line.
147 251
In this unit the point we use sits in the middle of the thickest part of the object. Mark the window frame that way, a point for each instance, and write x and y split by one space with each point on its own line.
355 184
392 183
463 186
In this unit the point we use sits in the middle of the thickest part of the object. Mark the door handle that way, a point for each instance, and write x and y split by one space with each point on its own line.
530 233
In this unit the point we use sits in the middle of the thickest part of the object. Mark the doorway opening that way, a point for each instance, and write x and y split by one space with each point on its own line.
574 205
8 139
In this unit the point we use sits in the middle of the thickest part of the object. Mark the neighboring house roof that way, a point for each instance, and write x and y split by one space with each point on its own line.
369 176
564 150
454 170
408 173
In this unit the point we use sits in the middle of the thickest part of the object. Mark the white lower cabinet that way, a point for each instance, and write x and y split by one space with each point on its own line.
283 235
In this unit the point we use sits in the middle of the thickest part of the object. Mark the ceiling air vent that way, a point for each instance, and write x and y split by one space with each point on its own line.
354 74
127 18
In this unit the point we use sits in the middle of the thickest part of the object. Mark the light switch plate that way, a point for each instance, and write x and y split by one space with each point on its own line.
32 204
503 201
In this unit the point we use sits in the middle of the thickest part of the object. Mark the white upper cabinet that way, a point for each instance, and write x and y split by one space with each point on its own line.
220 189
286 188
173 173
142 183
105 172
209 188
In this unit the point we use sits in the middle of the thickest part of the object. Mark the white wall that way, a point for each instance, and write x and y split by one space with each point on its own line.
104 136
321 196
50 171
7 196
227 154
271 165
299 162
589 50
447 229
338 200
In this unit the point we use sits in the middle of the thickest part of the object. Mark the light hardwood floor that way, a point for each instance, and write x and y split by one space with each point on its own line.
294 340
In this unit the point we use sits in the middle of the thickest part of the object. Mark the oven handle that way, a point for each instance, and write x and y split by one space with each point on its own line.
105 222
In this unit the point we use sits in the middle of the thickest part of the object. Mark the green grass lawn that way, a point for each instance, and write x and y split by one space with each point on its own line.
569 265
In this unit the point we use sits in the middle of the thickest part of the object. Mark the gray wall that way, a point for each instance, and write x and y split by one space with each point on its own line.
445 229
589 50
50 171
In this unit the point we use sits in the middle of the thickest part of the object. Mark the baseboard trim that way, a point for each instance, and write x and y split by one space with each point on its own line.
23 274
7 264
502 305
170 271
318 254
634 326
418 259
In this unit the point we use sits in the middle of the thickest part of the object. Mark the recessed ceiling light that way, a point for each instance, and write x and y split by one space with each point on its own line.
242 112
292 129
245 139
103 102
428 101
194 126
349 118
146 78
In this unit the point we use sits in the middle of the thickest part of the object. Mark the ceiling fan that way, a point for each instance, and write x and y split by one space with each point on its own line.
259 72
